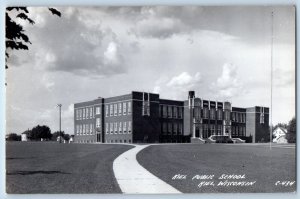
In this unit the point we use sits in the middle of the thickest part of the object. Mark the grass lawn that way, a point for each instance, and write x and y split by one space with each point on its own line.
50 167
256 161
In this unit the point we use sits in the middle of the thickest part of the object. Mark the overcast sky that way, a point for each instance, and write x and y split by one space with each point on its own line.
223 53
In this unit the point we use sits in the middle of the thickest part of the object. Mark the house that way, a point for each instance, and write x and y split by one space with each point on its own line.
24 136
279 134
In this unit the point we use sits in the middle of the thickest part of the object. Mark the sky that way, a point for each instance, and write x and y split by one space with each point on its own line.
222 53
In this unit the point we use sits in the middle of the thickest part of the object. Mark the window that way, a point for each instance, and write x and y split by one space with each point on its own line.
111 128
175 128
106 110
164 110
120 108
129 108
179 112
116 127
83 129
164 128
233 116
169 128
129 127
77 129
111 109
205 113
115 109
220 113
175 112
241 131
244 117
124 108
212 129
80 130
87 129
212 114
98 110
98 122
106 128
91 112
170 111
91 129
205 129
219 130
120 127
77 114
83 113
180 128
227 115
87 113
124 127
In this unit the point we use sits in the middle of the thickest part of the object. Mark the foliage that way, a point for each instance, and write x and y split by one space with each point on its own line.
291 134
15 37
13 137
56 134
39 132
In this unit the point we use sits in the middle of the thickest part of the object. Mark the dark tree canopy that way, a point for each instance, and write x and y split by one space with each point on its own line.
15 36
291 134
57 133
13 137
39 132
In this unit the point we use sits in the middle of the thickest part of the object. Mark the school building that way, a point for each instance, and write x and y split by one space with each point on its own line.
141 117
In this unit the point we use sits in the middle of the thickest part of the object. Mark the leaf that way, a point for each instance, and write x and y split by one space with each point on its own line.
54 11
25 17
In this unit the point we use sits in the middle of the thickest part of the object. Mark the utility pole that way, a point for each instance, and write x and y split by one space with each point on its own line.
59 106
271 111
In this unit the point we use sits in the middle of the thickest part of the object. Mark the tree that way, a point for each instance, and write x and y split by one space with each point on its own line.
291 131
56 134
13 137
15 37
39 132
66 137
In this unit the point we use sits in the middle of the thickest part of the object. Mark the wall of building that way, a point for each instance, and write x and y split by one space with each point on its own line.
118 126
171 120
146 125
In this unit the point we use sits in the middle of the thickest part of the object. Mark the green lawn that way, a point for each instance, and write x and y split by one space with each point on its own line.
257 162
50 167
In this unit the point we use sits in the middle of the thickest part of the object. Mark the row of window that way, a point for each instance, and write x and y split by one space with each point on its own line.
110 110
118 127
85 129
172 128
213 129
238 130
107 141
170 111
85 113
85 141
118 109
118 141
238 117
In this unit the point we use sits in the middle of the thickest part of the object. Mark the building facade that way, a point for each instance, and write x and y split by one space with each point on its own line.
141 117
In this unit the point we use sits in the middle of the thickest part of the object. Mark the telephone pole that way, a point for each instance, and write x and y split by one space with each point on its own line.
59 106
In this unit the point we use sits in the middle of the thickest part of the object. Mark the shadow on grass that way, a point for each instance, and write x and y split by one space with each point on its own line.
17 158
35 172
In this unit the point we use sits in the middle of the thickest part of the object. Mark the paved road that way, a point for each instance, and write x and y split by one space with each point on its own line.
133 178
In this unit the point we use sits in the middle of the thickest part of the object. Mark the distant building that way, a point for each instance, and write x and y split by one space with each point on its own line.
24 136
141 117
279 134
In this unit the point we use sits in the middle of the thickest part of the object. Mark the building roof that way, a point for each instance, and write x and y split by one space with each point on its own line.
281 128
